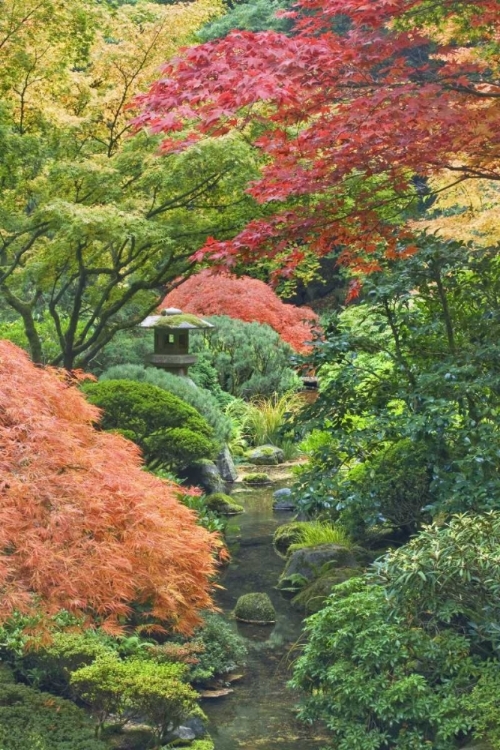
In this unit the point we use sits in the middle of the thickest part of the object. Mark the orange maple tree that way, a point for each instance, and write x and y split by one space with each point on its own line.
247 299
82 526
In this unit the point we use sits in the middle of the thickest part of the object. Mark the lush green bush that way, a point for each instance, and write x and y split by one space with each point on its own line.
250 358
170 432
158 693
221 649
32 720
415 359
199 398
249 15
49 666
449 577
378 683
391 487
131 346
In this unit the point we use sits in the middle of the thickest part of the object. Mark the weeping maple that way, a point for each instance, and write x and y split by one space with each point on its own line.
82 526
246 299
353 115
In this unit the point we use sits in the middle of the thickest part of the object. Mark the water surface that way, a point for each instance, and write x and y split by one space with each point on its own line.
260 713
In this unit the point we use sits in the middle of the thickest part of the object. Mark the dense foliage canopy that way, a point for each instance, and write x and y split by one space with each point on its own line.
93 224
82 526
354 113
246 299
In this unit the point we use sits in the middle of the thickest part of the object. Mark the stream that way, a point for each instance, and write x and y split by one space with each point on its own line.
259 715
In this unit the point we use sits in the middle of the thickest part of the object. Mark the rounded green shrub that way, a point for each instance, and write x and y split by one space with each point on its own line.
255 608
199 398
250 359
170 432
32 720
224 504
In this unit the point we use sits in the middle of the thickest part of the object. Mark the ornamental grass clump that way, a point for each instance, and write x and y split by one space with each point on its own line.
314 533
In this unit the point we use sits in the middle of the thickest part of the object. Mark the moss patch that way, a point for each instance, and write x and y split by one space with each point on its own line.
288 534
224 504
312 596
176 321
255 608
257 478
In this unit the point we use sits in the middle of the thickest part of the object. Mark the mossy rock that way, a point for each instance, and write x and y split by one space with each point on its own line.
312 597
223 504
286 535
257 478
306 564
266 455
255 608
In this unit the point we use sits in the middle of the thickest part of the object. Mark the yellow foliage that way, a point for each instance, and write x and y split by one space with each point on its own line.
79 64
468 211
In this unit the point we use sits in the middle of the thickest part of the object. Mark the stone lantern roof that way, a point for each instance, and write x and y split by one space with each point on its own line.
175 320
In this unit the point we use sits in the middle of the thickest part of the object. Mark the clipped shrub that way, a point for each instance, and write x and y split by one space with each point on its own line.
255 608
257 477
157 692
223 504
170 432
32 720
199 398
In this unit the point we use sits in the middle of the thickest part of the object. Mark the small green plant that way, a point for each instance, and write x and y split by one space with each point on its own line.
221 649
259 477
314 533
263 420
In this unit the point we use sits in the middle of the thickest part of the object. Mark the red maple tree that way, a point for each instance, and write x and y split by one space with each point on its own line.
247 299
82 526
351 123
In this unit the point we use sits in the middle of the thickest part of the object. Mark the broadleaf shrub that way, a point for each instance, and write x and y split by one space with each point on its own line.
377 683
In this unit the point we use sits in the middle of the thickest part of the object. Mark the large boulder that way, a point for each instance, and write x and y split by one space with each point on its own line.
255 608
266 455
309 562
226 466
205 474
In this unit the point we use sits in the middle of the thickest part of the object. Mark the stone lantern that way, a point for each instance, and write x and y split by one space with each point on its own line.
171 342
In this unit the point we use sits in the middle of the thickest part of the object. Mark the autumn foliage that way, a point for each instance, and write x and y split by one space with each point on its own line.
82 526
246 299
353 114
